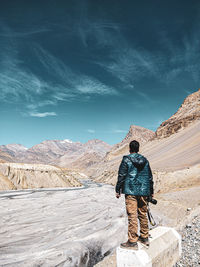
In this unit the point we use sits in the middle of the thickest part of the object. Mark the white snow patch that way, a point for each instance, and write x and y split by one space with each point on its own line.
66 141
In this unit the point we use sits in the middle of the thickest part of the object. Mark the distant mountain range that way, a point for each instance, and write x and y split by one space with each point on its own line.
60 152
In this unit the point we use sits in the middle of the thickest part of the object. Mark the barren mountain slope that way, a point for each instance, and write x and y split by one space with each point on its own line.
188 112
83 158
98 146
138 133
81 162
23 176
176 151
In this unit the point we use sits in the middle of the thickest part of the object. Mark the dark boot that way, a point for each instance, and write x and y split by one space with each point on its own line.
144 241
129 245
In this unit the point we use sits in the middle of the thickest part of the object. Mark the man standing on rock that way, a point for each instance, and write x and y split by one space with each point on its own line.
135 180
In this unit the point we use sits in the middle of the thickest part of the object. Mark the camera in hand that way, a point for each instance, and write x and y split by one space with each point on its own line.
152 200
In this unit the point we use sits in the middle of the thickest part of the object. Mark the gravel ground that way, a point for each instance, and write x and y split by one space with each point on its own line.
190 244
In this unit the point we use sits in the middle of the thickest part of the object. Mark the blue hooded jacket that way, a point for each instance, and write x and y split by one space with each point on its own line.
135 176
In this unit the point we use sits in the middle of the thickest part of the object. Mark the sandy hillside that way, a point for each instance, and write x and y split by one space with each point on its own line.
177 151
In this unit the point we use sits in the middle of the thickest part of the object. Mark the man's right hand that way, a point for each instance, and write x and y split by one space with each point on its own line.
118 195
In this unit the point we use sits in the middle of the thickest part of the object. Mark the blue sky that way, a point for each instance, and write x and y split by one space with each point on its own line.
89 69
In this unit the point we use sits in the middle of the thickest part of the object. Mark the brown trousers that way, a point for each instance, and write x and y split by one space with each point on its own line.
136 207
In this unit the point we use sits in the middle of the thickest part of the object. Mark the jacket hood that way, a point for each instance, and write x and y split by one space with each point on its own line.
138 161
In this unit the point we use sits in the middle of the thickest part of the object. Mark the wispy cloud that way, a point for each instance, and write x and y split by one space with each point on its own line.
131 64
119 131
86 85
15 34
92 131
73 83
114 131
17 83
145 96
43 114
98 31
95 29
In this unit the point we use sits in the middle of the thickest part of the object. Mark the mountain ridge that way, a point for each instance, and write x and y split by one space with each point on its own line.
188 112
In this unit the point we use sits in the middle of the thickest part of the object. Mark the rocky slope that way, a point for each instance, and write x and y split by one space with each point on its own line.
138 133
188 112
23 176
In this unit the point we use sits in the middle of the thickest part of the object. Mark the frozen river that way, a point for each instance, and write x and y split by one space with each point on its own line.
60 226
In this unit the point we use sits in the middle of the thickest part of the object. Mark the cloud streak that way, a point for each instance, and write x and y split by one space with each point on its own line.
73 83
23 34
43 114
114 131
